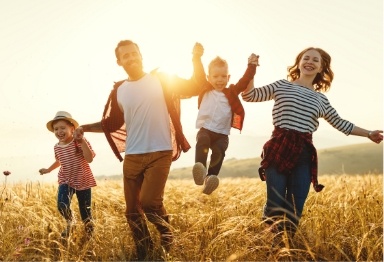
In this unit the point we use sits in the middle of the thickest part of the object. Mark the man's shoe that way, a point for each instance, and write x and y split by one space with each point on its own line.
166 241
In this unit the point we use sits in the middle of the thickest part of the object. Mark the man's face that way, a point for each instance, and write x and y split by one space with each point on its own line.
130 59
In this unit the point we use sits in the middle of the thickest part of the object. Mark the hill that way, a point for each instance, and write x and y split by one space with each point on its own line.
353 159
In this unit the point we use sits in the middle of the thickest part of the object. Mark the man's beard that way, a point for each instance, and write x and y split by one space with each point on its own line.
134 69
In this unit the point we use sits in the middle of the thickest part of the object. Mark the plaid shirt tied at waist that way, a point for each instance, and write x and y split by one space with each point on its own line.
283 151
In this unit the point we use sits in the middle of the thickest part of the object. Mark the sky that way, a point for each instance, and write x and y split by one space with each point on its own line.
59 55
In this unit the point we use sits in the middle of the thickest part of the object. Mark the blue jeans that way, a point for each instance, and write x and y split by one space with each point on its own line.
64 198
218 143
287 192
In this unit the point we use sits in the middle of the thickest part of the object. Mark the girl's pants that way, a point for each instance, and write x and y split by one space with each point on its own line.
64 198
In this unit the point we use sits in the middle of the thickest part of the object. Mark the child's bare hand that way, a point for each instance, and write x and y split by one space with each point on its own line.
43 171
79 133
198 50
253 59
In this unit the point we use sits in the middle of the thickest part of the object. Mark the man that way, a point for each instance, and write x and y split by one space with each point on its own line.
142 119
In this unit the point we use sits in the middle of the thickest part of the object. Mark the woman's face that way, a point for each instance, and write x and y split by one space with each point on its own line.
310 63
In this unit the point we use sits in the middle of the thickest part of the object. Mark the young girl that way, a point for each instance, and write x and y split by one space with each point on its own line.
75 175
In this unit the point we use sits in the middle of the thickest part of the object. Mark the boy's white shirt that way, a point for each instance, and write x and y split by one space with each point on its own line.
215 113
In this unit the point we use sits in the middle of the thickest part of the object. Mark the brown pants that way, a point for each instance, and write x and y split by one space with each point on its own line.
145 176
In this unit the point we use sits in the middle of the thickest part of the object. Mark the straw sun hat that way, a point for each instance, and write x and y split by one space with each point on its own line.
62 115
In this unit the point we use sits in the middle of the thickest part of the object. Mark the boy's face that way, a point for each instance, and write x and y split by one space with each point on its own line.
63 131
218 77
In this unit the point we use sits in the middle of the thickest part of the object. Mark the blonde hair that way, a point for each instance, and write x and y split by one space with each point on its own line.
217 61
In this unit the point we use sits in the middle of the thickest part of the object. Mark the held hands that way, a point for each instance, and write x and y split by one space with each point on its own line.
198 50
253 59
376 136
78 134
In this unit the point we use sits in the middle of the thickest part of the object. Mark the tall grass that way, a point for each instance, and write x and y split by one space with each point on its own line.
344 222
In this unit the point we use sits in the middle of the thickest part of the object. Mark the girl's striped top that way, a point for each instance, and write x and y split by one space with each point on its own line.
75 170
297 107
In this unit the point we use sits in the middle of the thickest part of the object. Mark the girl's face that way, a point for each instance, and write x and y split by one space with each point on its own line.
218 77
310 63
63 131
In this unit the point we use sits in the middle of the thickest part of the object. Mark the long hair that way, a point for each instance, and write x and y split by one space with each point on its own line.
322 81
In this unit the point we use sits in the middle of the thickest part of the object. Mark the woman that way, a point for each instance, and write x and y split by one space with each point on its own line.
289 158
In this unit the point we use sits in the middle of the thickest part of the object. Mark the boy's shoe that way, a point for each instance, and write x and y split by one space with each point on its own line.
199 172
211 183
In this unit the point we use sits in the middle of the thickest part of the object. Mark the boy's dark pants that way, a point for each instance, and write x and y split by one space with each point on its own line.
218 143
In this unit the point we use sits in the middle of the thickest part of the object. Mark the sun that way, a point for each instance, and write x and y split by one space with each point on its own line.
177 67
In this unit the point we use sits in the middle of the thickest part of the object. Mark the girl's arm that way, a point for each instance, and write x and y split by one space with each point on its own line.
87 151
55 165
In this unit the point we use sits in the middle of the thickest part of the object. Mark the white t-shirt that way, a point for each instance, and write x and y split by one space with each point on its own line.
146 115
215 113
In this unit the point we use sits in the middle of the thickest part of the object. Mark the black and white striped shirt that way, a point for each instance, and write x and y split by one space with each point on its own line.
297 107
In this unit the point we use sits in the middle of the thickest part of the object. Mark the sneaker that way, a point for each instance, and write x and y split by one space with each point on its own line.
211 183
199 172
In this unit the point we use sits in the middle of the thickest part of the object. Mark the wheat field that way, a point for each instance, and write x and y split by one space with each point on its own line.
344 222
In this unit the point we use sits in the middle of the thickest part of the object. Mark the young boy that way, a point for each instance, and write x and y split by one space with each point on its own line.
75 175
219 110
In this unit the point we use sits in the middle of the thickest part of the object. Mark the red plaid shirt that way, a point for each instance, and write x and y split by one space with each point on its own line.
283 150
232 94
